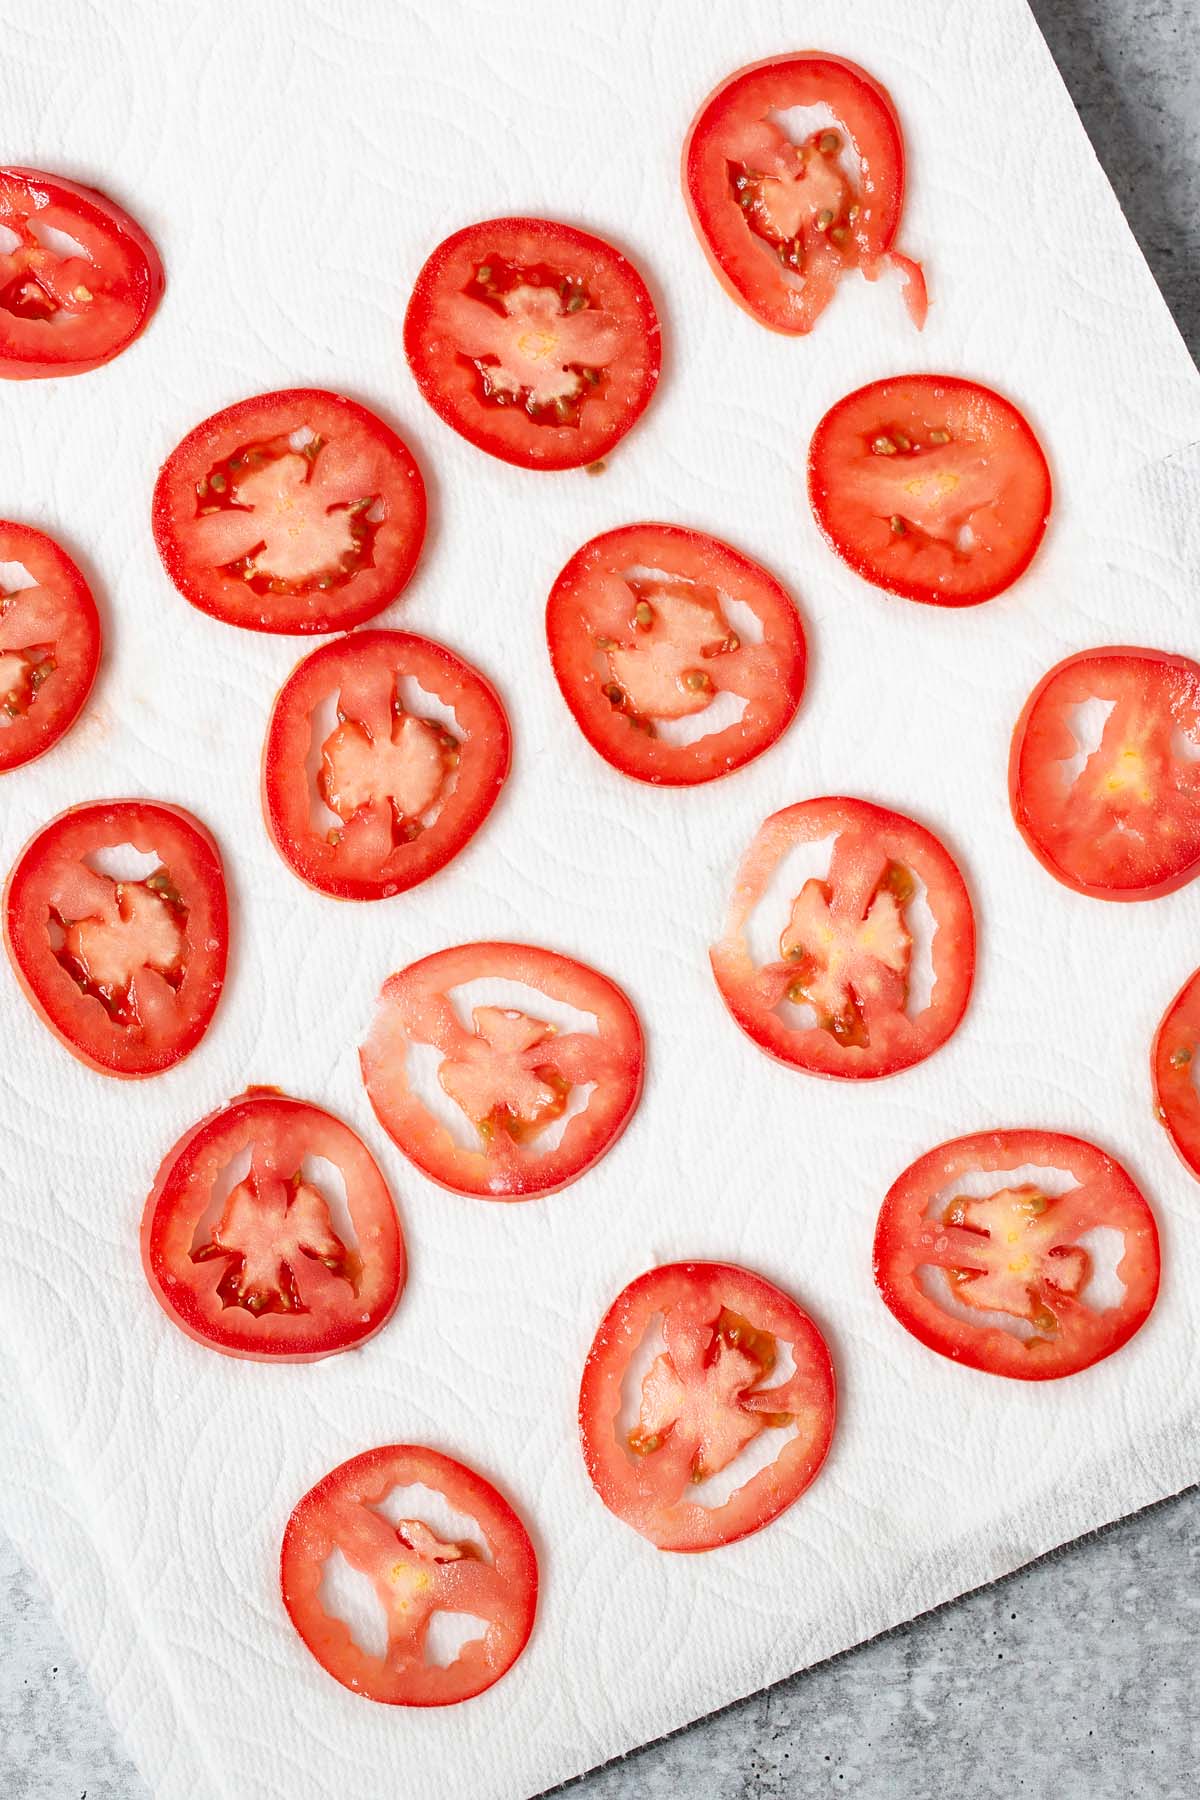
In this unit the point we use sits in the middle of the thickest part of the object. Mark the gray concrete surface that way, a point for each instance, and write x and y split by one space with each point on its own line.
1076 1678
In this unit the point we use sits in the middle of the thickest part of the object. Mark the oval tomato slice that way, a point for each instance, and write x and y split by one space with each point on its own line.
706 1340
487 1570
79 279
1173 1066
125 972
242 1239
929 486
847 992
398 790
1103 777
291 512
1022 1253
539 1106
536 342
49 645
782 221
680 658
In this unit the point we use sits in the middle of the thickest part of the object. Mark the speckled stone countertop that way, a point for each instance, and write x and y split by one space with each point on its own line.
1076 1677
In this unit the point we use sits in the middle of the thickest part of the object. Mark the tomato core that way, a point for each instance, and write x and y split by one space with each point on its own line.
547 346
140 926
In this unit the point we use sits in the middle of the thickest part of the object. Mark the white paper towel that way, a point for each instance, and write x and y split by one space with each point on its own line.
295 163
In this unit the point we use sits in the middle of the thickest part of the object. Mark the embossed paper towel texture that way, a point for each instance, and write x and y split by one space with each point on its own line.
295 163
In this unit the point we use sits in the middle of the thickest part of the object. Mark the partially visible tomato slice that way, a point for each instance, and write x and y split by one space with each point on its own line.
126 973
536 342
291 512
641 639
274 1276
512 1074
717 1385
79 279
929 486
1174 1066
490 1575
987 1250
49 645
1111 805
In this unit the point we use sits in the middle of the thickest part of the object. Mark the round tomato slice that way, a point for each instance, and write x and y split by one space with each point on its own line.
486 1569
1103 777
679 657
126 972
79 279
242 1242
538 1105
1023 1253
291 512
847 992
706 1339
782 221
397 792
536 342
929 486
1174 1065
49 645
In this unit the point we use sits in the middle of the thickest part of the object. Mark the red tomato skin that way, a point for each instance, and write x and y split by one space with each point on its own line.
143 288
649 759
53 569
541 446
1173 1061
475 794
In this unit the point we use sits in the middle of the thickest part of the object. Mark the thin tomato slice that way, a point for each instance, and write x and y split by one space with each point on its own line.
1174 1065
536 342
1103 777
929 486
839 989
291 512
539 1106
125 972
680 659
727 1364
1022 1253
400 786
486 1569
49 645
780 220
79 279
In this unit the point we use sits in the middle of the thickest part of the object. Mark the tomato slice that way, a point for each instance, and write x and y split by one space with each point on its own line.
1103 777
1173 1066
716 1386
49 645
655 630
242 1242
486 1570
781 221
291 512
1000 1252
513 1076
399 788
79 279
125 972
536 342
843 995
929 486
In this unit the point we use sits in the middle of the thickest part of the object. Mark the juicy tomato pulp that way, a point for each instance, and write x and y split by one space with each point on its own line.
49 645
534 341
1174 1066
841 996
717 1385
396 793
781 222
291 512
1111 805
646 655
988 1266
512 1075
931 487
79 280
125 972
486 1570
